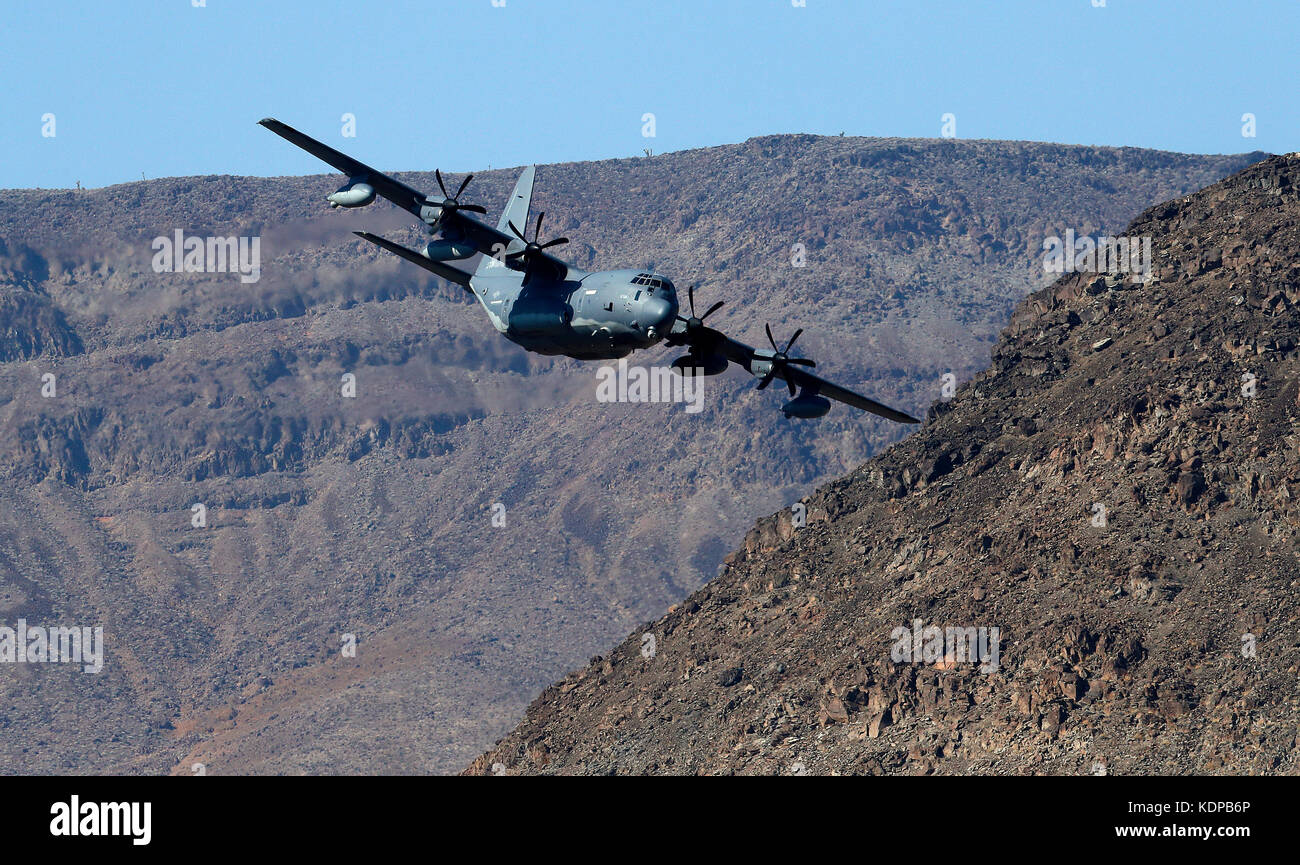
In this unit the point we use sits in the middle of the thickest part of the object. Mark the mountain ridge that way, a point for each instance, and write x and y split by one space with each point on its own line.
373 517
1113 494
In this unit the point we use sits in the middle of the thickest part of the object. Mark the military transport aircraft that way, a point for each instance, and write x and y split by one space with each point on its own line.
551 307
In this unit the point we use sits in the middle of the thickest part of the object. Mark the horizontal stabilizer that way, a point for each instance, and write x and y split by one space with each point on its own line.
446 271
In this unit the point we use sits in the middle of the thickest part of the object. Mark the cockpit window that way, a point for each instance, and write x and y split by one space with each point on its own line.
652 282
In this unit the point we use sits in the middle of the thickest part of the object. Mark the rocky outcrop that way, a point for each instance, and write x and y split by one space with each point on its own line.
472 517
1109 508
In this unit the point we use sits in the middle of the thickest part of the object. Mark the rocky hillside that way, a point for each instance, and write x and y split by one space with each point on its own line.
1116 495
329 516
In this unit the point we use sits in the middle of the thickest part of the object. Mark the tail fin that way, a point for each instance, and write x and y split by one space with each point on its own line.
517 207
516 211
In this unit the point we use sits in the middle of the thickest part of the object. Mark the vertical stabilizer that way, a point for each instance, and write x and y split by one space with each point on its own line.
516 211
517 207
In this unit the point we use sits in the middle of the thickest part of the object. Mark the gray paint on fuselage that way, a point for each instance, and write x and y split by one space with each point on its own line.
587 316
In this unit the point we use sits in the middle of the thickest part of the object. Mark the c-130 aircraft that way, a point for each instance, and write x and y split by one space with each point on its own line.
550 307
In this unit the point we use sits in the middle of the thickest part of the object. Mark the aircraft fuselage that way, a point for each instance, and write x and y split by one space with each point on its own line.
546 305
587 316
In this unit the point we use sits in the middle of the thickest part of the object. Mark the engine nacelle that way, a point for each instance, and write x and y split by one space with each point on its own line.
354 193
447 250
806 405
431 214
709 364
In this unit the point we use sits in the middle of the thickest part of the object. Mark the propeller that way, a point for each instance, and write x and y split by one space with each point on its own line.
451 203
532 247
782 358
701 341
694 323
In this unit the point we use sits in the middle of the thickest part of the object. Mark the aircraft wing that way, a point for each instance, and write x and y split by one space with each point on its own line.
489 241
745 356
830 390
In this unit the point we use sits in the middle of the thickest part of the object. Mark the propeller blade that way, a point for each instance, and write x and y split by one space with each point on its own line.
518 234
441 185
717 306
690 295
538 233
473 208
781 360
764 381
556 242
463 184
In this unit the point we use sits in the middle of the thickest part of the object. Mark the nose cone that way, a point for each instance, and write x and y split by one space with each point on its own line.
658 315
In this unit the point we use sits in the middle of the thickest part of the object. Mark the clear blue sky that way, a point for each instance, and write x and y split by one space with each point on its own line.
163 88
